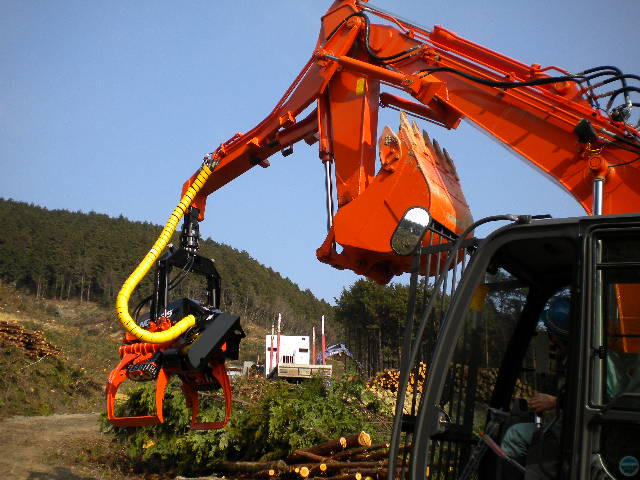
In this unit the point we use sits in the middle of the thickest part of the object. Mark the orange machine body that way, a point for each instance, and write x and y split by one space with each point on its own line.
440 71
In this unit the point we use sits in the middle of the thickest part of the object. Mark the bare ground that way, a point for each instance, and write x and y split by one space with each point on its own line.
52 447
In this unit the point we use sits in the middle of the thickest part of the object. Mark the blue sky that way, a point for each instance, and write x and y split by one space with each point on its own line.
110 106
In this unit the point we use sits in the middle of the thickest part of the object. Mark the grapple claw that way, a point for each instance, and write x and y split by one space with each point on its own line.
191 389
117 376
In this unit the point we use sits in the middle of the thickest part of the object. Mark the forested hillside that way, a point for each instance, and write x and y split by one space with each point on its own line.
72 255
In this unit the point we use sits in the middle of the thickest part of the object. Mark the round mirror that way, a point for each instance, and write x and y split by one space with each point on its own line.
410 230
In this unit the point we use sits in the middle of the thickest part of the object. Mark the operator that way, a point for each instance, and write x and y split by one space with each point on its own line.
519 437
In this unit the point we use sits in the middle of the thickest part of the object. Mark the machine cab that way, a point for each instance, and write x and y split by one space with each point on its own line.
490 348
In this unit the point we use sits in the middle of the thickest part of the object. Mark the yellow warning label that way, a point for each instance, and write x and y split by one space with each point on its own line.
477 303
361 84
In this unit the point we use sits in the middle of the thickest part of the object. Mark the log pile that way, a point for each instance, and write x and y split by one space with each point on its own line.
33 342
347 458
389 379
486 378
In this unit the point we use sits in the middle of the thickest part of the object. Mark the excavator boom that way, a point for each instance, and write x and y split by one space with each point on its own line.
547 115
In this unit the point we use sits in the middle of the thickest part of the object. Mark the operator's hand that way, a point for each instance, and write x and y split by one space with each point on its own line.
541 402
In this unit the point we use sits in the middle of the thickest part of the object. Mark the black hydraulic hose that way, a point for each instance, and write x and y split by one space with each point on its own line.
581 77
613 77
578 78
172 284
623 147
609 67
603 73
397 57
625 163
142 303
177 280
337 27
604 70
631 146
493 83
616 78
602 67
593 98
398 60
615 93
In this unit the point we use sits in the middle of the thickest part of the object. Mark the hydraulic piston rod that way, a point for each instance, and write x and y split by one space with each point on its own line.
328 175
598 194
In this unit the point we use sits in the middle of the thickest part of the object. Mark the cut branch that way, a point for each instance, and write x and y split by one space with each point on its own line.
331 447
250 467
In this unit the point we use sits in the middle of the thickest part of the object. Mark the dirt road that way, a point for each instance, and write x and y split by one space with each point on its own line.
46 447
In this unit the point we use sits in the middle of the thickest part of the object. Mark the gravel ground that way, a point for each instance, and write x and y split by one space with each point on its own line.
38 448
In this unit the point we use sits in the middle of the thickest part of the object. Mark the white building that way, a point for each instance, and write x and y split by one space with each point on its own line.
293 350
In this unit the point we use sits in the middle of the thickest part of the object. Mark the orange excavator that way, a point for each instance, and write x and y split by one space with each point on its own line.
575 128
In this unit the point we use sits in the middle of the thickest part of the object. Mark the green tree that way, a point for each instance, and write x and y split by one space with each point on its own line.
373 318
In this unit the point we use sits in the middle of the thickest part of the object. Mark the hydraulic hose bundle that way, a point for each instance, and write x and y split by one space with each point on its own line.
122 301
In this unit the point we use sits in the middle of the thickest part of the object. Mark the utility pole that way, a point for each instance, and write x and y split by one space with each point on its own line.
271 352
278 346
324 345
313 345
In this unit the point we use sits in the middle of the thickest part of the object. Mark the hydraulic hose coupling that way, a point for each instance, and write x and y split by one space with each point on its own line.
122 301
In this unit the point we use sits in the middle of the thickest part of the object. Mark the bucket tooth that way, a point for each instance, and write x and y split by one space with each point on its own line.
452 165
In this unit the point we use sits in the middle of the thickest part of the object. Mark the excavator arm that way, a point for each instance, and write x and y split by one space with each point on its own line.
550 117
547 115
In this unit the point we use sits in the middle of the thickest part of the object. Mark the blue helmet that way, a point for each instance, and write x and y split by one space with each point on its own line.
556 317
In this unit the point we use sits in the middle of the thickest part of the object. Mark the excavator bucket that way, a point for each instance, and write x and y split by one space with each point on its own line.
414 171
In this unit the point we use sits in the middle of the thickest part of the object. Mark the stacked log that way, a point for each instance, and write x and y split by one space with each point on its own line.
33 342
331 447
486 378
347 458
389 379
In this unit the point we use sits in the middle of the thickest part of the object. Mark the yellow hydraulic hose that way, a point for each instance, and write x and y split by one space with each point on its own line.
122 301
